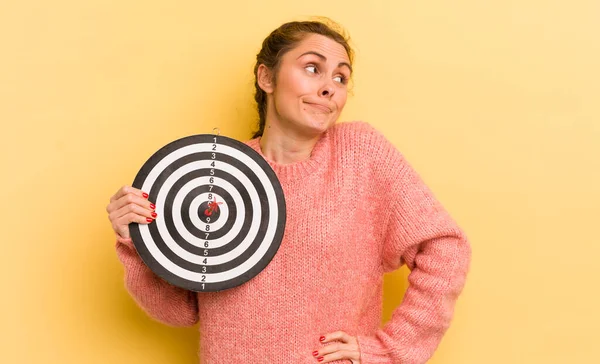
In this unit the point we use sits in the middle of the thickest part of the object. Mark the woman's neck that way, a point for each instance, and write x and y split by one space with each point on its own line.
286 146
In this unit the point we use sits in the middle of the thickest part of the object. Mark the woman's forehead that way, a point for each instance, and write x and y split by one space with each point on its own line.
323 45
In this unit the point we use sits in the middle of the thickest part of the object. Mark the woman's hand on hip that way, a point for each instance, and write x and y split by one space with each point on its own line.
345 347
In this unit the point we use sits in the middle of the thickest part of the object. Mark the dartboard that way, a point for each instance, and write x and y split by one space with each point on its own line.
221 213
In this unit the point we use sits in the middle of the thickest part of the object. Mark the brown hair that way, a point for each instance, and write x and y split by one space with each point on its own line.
281 41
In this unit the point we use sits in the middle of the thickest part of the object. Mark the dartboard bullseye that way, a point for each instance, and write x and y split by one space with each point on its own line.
221 213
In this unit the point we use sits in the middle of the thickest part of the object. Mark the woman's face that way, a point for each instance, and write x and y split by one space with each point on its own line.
311 86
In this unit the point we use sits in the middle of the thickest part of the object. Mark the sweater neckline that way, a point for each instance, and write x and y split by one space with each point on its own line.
290 172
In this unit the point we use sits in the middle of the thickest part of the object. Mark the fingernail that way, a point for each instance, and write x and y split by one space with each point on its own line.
322 338
153 214
320 358
145 194
149 219
152 206
315 353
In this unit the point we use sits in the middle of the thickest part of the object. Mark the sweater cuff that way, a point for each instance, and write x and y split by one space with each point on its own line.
372 351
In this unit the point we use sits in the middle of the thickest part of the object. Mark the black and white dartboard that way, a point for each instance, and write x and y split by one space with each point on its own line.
221 213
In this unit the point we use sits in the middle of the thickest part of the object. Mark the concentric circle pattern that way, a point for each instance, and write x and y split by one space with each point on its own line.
221 213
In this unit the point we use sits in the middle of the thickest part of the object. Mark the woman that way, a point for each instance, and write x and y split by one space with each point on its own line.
355 210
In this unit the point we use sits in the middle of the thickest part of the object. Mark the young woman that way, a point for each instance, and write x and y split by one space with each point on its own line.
355 210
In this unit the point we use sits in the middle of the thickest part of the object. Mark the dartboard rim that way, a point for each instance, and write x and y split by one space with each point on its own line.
263 262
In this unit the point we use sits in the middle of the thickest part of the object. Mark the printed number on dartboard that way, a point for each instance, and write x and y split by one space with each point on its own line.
211 180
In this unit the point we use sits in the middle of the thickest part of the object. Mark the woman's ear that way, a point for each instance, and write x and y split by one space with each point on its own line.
264 79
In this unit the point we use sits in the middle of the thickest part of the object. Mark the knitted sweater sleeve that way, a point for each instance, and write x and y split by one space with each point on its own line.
162 301
421 234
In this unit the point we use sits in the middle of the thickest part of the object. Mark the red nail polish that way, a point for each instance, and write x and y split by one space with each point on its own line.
145 194
152 206
322 338
149 219
315 353
320 358
153 214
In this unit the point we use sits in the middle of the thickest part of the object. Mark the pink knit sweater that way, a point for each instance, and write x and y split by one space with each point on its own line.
355 209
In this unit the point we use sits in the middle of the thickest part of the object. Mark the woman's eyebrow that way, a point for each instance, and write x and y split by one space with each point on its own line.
323 58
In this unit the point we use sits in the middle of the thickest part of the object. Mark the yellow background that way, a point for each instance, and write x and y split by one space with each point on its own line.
496 103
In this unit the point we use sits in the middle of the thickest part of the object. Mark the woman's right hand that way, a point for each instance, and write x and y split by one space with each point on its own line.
129 205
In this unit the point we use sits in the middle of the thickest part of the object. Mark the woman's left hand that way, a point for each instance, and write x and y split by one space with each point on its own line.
346 349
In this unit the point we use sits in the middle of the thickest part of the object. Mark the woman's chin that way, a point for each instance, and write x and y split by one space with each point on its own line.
320 125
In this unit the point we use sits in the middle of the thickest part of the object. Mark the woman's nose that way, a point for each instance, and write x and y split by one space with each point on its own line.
327 90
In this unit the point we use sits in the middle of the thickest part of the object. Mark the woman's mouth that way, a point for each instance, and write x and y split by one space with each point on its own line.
320 107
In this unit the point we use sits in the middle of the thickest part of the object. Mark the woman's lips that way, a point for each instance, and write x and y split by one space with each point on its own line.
320 107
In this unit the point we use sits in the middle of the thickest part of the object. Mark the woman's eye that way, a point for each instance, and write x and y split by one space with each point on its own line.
311 69
340 79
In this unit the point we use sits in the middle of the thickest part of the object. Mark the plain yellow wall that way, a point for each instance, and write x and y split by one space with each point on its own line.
496 103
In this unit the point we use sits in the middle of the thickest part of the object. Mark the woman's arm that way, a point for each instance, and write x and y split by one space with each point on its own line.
422 235
162 301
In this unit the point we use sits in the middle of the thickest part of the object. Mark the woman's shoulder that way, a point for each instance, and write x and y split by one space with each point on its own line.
362 146
359 134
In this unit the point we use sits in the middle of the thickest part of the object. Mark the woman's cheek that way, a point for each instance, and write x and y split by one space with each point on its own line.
307 86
